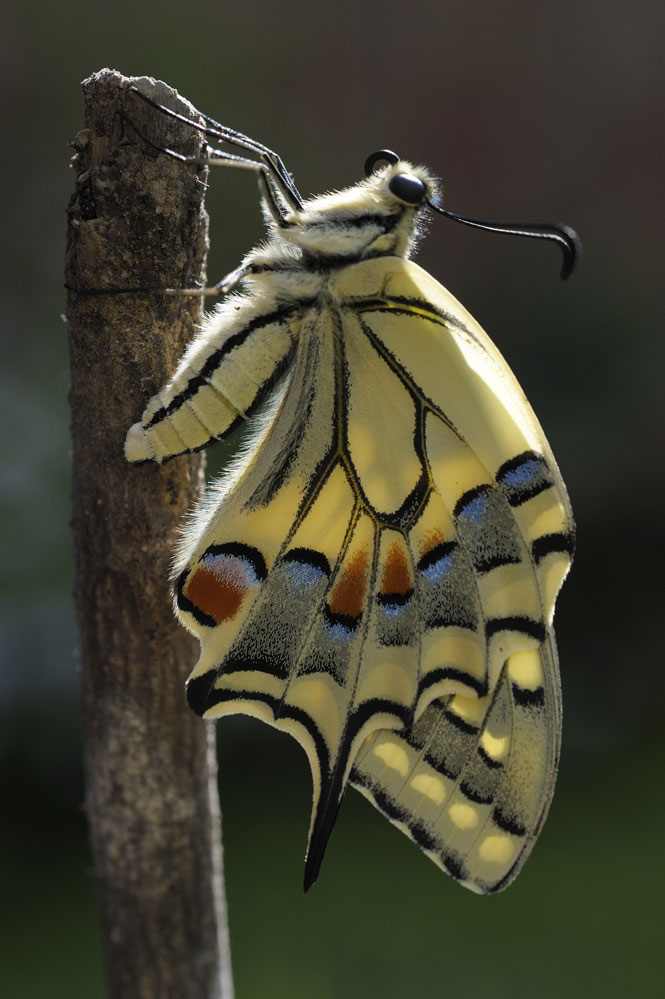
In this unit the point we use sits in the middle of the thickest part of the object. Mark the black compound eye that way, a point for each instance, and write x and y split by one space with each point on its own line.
407 188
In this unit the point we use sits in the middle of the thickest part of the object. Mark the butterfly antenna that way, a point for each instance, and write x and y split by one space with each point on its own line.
556 232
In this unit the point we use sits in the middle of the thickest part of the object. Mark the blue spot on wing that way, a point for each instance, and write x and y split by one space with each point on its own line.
393 604
235 563
340 627
393 610
339 632
231 569
304 567
523 474
474 509
301 575
435 573
437 563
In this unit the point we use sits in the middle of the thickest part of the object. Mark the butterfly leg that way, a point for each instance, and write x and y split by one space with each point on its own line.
270 164
217 157
223 287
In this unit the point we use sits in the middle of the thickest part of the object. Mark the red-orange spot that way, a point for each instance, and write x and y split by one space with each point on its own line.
430 541
396 577
348 595
217 595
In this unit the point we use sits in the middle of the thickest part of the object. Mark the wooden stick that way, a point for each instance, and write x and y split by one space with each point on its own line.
136 220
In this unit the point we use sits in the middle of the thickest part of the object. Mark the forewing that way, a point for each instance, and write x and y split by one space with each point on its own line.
472 779
480 429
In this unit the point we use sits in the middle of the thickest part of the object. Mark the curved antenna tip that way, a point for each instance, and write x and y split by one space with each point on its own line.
568 240
385 155
571 246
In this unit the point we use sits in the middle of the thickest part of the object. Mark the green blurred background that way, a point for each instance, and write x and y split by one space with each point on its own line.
527 110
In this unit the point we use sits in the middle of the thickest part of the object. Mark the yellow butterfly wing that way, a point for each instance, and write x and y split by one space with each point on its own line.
378 575
223 377
471 781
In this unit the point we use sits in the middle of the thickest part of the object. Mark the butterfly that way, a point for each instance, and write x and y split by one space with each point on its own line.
376 574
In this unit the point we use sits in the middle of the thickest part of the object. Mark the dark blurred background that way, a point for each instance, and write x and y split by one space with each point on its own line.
528 111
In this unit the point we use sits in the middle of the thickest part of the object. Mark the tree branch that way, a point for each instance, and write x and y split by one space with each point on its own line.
137 220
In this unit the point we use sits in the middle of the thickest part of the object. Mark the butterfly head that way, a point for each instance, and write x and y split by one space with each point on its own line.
381 215
398 180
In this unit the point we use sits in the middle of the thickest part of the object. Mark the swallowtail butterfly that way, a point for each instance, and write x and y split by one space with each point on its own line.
376 575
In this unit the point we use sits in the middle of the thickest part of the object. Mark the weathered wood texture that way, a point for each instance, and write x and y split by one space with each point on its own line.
137 220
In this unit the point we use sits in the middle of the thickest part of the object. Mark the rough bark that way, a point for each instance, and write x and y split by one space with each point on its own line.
136 220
